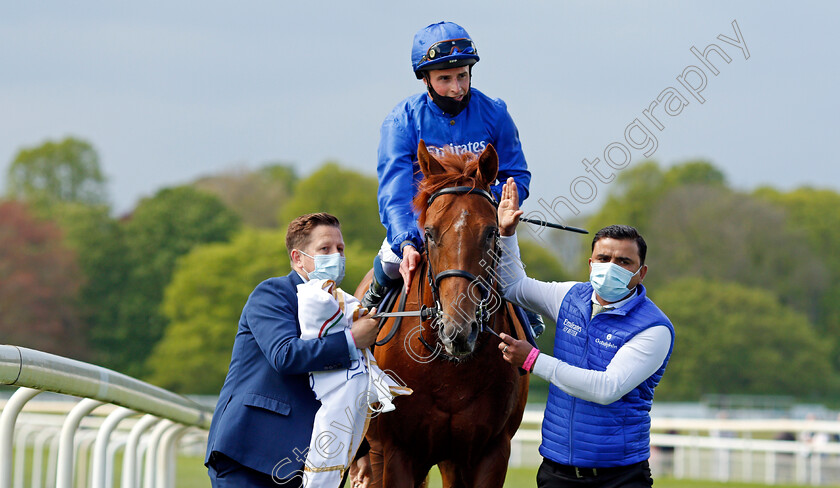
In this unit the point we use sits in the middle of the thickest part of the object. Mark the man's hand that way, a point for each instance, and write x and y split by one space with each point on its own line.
365 330
513 351
360 472
409 263
509 208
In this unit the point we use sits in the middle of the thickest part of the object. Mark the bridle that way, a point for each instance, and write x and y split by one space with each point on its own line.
482 311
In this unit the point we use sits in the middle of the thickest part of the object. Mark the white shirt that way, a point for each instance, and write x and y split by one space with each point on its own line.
632 364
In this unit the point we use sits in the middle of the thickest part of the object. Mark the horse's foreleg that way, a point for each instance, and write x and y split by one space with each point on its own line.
450 475
394 469
491 470
376 466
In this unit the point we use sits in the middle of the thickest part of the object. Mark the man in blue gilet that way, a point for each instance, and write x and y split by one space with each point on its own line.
610 350
450 116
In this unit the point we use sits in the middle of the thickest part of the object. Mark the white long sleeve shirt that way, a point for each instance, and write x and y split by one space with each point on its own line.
633 363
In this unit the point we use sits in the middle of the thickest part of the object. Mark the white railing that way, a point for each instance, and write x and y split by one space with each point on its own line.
724 449
78 441
145 421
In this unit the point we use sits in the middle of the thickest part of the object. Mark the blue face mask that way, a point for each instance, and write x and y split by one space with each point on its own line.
327 267
610 280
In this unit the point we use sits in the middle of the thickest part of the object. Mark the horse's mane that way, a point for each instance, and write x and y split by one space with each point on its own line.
461 170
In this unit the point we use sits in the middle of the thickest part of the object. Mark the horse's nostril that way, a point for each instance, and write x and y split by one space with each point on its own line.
473 332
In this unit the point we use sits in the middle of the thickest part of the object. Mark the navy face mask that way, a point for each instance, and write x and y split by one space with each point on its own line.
448 104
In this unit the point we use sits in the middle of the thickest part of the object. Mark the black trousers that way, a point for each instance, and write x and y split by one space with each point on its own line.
224 472
554 475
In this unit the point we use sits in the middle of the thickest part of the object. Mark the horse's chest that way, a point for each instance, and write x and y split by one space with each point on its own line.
449 400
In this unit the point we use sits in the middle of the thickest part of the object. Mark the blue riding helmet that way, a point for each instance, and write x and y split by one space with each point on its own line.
441 46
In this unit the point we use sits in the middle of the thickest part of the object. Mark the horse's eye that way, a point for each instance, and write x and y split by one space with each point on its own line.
430 235
491 234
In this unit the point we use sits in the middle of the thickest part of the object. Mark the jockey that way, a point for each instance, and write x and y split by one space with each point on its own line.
450 116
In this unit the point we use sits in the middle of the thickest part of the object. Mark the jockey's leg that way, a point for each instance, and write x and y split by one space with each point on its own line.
386 275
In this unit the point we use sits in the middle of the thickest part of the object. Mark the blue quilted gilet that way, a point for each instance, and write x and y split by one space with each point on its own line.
585 434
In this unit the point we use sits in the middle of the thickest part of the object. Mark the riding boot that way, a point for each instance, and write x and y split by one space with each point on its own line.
374 294
536 320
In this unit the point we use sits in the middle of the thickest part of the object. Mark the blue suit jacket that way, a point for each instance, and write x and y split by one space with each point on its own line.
266 407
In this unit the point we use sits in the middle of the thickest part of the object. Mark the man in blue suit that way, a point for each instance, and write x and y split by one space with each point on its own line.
263 422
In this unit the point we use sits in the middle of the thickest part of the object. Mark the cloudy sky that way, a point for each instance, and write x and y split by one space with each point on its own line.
167 93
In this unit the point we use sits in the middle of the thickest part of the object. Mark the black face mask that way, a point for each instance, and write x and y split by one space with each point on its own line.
448 104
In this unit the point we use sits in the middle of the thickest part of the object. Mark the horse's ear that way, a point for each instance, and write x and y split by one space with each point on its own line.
428 164
488 165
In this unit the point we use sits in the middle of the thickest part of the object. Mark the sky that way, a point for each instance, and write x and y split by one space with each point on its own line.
168 92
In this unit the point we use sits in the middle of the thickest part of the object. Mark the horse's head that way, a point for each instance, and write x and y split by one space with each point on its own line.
458 215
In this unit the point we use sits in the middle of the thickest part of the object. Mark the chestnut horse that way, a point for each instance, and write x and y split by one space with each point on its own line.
467 401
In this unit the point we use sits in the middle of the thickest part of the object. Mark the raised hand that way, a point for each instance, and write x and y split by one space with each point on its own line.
509 208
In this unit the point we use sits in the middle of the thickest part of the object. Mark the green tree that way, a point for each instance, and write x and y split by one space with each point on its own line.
348 195
694 173
63 171
203 303
812 217
282 173
731 339
714 233
39 280
97 240
256 196
636 191
631 196
540 263
696 226
359 260
162 229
